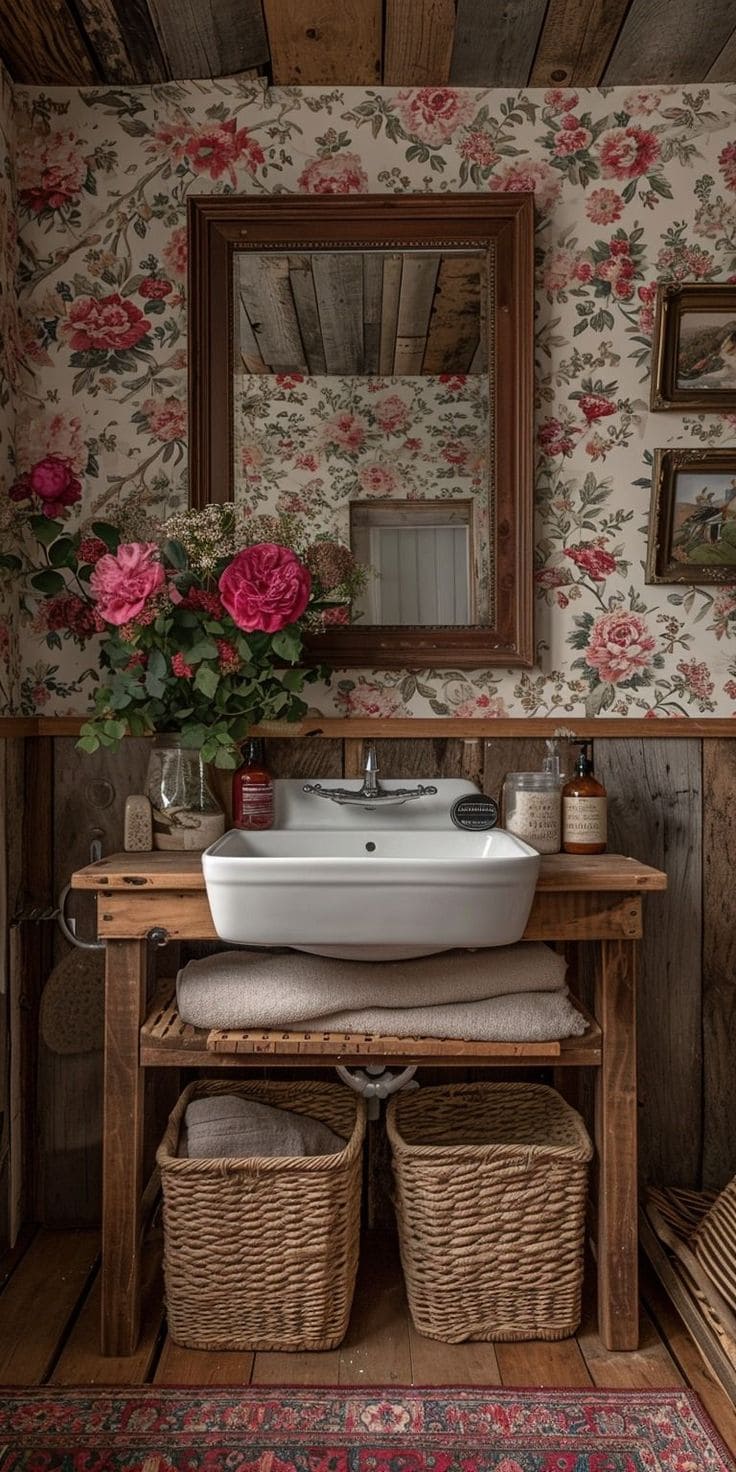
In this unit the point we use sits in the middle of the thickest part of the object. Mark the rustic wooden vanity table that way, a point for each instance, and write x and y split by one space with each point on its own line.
145 899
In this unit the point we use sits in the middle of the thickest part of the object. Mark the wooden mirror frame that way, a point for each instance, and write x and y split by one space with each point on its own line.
501 226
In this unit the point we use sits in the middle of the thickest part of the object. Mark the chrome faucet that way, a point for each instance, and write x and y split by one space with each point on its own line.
372 794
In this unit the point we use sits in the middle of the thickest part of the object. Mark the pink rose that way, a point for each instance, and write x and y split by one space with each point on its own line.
52 173
265 587
594 560
433 114
338 173
528 177
572 138
106 323
628 152
53 481
122 584
619 645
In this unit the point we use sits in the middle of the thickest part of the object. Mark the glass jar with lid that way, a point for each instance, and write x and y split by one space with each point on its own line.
533 809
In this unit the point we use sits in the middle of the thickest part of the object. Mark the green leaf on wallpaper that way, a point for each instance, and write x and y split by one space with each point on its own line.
48 581
62 553
107 534
45 529
10 563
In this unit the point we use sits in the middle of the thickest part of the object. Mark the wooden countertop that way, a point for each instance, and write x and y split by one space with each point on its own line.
177 871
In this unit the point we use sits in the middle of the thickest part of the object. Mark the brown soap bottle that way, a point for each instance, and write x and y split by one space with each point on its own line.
253 789
584 805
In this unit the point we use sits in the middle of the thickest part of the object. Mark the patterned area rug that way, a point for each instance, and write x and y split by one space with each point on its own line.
328 1430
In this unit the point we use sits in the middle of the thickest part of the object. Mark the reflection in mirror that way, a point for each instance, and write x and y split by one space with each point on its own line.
360 379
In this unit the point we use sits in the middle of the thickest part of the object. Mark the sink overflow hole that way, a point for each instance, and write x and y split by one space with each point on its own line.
370 848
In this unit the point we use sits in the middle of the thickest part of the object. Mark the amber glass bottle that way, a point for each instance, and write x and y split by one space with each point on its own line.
584 805
253 789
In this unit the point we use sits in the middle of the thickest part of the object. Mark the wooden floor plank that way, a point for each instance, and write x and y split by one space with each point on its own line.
694 1369
39 1301
435 1363
376 1349
180 1366
81 1362
536 1362
650 1367
312 1368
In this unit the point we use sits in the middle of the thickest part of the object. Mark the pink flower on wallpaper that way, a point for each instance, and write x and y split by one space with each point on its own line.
604 206
555 439
347 431
252 457
572 137
620 644
53 482
433 114
216 150
560 99
647 296
453 382
166 418
596 406
485 707
265 587
369 700
391 414
642 102
154 288
110 323
289 380
175 251
527 176
477 148
377 479
697 678
455 452
727 163
595 561
562 269
626 153
338 173
123 583
60 434
51 172
549 578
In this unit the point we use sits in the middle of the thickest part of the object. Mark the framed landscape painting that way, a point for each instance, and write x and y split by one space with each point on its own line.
694 350
692 524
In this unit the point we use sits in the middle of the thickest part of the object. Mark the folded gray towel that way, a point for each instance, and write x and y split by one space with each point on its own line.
227 1126
259 989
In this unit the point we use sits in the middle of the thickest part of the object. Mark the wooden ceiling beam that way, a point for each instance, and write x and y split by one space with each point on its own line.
332 43
338 284
40 42
667 41
210 38
577 39
723 68
495 42
122 37
418 42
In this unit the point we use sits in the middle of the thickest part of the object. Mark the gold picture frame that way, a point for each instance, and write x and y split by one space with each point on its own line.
694 348
692 524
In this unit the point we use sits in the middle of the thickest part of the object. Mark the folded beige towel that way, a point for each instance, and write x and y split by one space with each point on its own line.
528 1017
259 989
226 1126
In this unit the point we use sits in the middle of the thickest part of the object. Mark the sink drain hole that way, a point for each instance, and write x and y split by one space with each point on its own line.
370 848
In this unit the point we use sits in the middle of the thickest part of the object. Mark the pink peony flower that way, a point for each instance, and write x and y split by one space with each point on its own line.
596 406
571 138
289 380
697 677
346 430
620 644
53 481
528 177
392 414
433 114
216 149
52 173
594 560
628 152
175 251
154 288
108 323
478 149
167 418
377 479
123 583
338 173
642 102
554 439
560 99
604 206
265 587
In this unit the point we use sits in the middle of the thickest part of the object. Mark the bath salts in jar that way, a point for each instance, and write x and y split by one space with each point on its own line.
533 809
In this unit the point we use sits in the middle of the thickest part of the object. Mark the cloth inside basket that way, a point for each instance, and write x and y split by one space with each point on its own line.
511 993
225 1126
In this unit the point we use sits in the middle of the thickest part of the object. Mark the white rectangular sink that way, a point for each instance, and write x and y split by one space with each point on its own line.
381 880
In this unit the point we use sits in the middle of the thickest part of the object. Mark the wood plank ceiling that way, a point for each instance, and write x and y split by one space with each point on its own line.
477 43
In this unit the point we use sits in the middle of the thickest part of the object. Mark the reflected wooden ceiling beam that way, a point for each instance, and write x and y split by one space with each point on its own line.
666 41
495 42
723 68
325 42
372 307
338 284
392 268
576 42
418 42
305 303
265 290
454 324
210 38
40 42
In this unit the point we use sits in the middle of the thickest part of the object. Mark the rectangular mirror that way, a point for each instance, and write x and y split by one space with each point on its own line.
365 363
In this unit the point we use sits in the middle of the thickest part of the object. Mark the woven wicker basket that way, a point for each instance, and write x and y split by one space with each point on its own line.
262 1253
490 1197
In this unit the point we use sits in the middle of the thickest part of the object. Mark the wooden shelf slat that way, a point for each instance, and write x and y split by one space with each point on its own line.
168 1041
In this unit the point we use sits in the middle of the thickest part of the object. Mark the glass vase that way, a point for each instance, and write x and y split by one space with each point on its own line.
186 813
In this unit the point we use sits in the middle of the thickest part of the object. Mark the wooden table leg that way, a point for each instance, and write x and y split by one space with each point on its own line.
122 1145
615 1129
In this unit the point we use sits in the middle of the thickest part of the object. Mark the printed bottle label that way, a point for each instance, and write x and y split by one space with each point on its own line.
255 807
584 820
535 818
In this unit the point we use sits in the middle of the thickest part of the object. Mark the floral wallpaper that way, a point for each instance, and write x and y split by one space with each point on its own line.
308 446
631 185
9 649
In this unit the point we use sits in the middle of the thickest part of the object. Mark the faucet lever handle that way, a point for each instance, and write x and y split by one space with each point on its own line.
371 758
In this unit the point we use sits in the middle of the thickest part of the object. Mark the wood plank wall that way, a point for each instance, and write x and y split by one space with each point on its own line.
671 802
